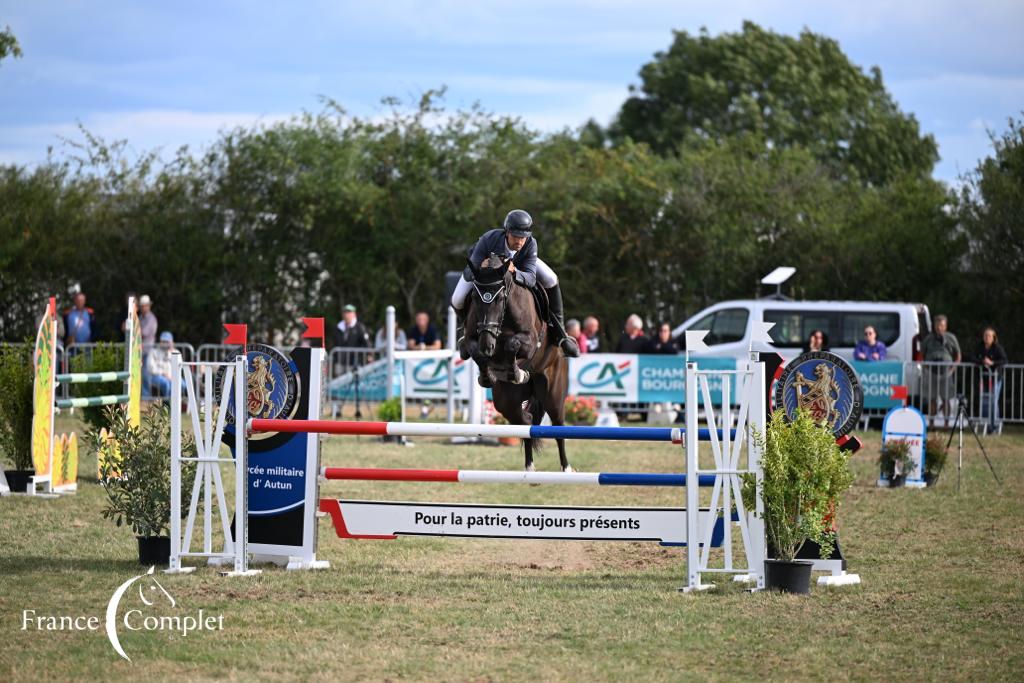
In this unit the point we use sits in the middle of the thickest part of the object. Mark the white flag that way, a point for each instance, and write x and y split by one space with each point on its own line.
695 340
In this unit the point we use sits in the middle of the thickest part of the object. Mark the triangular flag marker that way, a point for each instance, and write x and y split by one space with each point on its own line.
314 330
237 334
695 342
760 333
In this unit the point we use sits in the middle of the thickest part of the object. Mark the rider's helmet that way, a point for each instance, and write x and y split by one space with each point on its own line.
519 223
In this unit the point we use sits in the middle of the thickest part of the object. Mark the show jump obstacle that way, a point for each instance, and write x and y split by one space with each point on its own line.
276 469
55 458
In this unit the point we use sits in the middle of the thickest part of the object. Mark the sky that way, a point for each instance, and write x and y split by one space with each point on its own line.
164 74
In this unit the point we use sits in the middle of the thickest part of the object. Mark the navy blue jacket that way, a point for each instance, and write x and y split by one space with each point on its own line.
493 241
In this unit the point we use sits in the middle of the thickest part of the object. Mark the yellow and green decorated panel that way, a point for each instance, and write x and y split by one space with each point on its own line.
43 394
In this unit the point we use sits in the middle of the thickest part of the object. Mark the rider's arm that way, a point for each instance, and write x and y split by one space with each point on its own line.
526 264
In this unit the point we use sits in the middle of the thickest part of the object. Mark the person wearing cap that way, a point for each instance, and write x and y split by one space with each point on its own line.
156 378
515 241
350 333
147 321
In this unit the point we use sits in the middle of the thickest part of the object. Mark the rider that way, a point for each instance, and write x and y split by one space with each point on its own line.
515 241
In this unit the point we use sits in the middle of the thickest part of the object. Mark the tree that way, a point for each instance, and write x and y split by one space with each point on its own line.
8 44
992 215
787 91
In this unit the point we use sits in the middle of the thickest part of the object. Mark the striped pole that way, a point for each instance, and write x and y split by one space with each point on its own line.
91 401
82 377
505 477
668 434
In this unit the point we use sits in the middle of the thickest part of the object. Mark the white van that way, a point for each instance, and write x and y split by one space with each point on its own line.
901 326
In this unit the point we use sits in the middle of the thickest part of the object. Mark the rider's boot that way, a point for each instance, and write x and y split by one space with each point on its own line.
568 345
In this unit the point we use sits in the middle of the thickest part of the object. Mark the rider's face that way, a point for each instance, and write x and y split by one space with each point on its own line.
515 242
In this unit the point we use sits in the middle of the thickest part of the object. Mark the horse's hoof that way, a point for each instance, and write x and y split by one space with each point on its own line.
521 376
568 468
531 467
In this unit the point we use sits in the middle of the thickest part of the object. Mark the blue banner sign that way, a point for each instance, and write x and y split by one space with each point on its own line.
876 381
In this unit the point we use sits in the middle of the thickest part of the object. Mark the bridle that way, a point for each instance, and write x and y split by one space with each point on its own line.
491 292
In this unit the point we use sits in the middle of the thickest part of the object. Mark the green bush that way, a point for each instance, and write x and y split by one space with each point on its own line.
805 474
935 455
138 479
895 453
104 357
390 410
16 385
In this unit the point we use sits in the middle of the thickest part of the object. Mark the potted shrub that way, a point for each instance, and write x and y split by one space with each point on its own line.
16 404
895 461
390 411
935 456
137 479
580 410
805 474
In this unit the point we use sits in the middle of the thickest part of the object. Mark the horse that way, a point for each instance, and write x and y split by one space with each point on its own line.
509 340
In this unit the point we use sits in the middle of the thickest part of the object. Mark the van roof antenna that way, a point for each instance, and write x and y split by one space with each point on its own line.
777 277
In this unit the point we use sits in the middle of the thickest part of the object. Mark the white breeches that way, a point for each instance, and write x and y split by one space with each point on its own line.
545 276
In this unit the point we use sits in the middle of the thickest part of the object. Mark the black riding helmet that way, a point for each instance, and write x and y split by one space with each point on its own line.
519 223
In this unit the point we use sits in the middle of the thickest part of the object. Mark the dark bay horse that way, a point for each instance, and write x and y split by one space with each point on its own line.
509 340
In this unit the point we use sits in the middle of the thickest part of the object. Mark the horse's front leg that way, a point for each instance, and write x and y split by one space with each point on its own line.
519 349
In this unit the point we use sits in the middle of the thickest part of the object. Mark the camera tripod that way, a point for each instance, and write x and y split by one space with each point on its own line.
958 427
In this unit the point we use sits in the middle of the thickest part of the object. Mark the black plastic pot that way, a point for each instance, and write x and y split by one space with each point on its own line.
896 481
18 480
930 479
154 550
788 577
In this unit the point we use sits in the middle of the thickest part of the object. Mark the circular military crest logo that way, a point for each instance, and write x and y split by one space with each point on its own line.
824 385
273 386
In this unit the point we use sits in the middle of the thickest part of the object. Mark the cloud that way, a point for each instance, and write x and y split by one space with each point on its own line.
144 130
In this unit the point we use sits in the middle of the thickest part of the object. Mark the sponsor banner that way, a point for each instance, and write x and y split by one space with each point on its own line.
382 519
632 378
370 382
907 424
877 380
428 378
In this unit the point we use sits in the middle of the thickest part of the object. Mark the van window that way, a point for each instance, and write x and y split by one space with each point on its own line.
725 326
792 328
887 325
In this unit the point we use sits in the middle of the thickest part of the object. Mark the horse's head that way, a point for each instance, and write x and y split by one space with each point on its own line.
491 282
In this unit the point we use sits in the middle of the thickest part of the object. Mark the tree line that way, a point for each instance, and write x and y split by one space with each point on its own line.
735 154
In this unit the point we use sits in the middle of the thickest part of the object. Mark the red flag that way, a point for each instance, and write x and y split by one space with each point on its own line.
899 392
237 334
314 330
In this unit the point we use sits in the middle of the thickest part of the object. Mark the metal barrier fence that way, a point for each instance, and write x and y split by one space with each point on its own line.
990 398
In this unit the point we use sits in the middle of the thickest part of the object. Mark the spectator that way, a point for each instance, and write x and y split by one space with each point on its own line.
591 328
663 343
941 352
573 329
79 322
351 334
157 376
817 341
380 340
990 355
423 335
869 348
633 339
147 322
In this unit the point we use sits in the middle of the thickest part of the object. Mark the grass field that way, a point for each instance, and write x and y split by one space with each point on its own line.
942 594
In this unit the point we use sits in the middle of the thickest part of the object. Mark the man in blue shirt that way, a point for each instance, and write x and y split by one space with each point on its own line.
869 348
423 335
79 322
